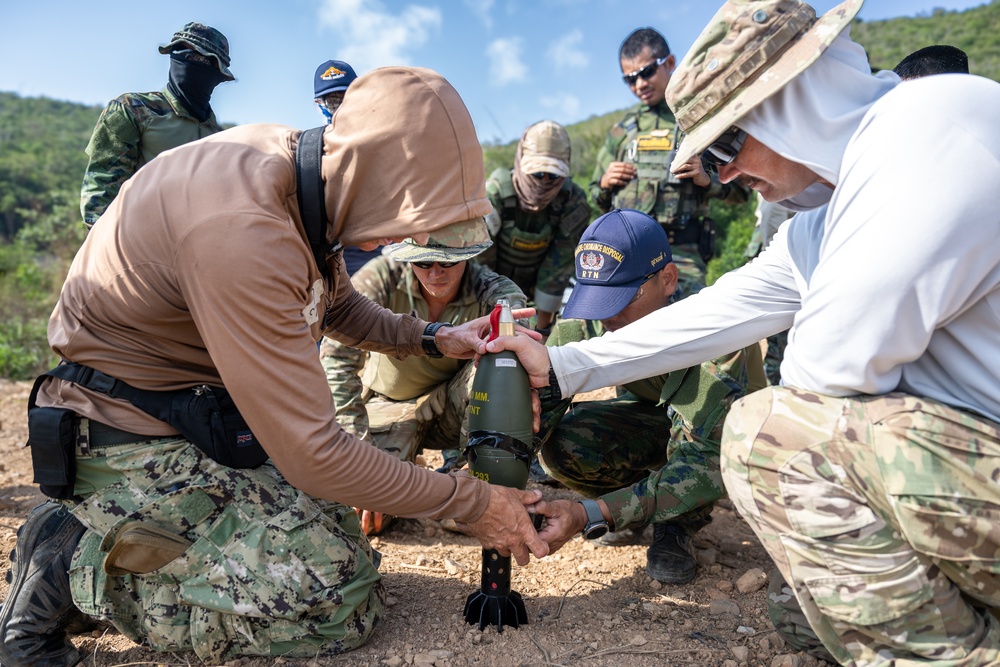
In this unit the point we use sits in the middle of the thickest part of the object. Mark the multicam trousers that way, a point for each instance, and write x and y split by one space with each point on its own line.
436 420
882 513
262 568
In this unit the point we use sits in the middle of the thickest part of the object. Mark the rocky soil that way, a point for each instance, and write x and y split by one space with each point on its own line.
586 605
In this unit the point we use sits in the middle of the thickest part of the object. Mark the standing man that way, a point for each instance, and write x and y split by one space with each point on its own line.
136 127
633 165
538 216
936 59
330 84
651 455
871 475
208 287
405 405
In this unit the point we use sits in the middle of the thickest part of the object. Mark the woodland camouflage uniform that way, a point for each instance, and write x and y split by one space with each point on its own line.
405 405
535 249
652 453
645 137
132 130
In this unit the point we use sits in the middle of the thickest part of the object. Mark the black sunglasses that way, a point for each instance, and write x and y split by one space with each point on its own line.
646 72
544 176
426 266
724 150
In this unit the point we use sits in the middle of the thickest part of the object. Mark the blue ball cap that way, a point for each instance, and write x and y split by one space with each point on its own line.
331 76
615 254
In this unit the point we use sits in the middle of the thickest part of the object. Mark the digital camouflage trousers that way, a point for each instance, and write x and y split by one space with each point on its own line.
597 447
883 515
185 554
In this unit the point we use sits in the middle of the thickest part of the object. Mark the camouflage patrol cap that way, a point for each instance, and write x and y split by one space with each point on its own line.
748 52
454 243
204 39
545 147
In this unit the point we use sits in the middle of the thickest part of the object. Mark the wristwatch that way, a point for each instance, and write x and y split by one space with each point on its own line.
596 523
427 339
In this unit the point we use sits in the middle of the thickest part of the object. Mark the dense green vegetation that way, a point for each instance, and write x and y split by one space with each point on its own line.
974 31
42 161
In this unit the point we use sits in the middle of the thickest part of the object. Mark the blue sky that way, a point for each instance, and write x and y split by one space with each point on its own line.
513 61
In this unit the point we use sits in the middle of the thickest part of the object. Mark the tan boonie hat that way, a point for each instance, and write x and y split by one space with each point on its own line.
454 243
545 148
748 52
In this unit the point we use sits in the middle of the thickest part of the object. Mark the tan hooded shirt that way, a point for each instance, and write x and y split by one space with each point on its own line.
200 273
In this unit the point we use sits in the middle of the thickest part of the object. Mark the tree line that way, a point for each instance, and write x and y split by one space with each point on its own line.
42 161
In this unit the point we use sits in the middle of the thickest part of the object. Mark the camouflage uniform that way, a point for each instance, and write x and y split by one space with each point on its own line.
881 512
403 406
132 130
535 249
652 453
645 137
265 570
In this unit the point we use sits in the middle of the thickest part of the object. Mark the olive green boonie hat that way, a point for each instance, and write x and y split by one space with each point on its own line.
748 52
204 39
455 243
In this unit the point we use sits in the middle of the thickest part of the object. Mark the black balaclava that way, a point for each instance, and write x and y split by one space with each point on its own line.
193 83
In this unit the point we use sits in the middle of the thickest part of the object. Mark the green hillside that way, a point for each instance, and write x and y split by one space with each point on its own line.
42 161
975 31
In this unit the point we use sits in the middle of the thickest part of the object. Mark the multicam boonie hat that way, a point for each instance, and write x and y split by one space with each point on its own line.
546 148
455 243
204 39
748 52
332 76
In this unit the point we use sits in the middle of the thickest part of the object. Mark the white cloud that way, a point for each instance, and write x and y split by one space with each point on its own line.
481 10
565 52
506 65
565 108
370 36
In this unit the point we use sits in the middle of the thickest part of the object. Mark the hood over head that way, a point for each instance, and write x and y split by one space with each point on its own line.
401 158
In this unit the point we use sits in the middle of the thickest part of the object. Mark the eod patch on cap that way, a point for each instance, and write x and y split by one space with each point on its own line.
614 257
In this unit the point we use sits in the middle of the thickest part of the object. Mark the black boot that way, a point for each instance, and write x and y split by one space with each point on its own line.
670 558
39 607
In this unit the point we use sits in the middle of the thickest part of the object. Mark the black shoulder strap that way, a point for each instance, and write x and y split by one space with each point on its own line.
312 204
154 403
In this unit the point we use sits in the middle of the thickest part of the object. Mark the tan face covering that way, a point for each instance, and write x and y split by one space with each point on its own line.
533 194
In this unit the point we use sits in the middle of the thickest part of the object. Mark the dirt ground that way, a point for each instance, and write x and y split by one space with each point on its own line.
586 605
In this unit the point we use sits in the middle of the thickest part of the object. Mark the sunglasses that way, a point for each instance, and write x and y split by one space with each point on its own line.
724 150
646 72
426 266
544 176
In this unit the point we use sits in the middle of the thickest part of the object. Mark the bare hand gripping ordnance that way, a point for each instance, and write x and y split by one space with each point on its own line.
499 452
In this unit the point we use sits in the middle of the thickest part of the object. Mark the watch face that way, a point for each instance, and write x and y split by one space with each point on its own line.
592 532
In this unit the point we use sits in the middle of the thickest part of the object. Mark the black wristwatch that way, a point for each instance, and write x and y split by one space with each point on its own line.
555 391
596 523
427 339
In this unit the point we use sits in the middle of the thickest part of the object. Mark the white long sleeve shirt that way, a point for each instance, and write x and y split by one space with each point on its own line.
892 286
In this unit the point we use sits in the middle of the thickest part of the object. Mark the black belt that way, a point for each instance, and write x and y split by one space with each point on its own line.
102 435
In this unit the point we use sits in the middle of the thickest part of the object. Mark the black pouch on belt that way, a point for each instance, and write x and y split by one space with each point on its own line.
207 416
52 438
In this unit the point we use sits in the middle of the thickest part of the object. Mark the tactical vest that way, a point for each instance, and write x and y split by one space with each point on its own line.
520 252
655 191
